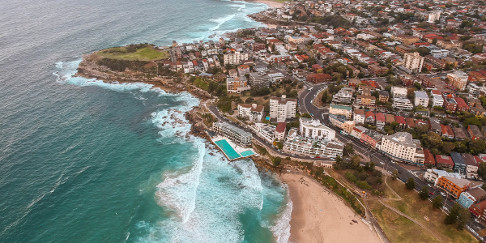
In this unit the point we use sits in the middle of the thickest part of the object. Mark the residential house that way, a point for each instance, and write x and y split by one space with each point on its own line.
380 121
444 162
421 99
459 163
471 166
474 132
370 117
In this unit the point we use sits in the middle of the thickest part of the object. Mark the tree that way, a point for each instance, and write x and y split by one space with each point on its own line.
348 149
276 161
424 193
395 175
410 184
458 215
437 202
482 171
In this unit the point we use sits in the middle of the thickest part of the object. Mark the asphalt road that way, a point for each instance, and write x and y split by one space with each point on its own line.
379 159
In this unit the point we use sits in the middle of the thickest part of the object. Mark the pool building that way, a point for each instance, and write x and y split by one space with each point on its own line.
232 141
239 136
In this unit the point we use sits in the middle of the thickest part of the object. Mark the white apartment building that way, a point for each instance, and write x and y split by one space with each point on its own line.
437 100
400 146
266 131
282 108
458 79
433 16
236 134
234 58
402 104
310 128
440 53
359 116
299 145
413 62
398 92
421 98
344 96
252 112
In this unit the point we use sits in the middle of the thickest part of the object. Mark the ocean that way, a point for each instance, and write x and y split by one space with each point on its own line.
86 161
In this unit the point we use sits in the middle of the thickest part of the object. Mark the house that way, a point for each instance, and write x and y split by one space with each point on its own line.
383 96
410 122
429 158
318 77
471 196
479 210
447 131
380 120
461 104
444 162
459 163
401 122
474 132
435 126
460 133
389 118
471 166
370 117
453 186
280 131
359 116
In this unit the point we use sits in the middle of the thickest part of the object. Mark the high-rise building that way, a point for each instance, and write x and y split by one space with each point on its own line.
282 108
413 62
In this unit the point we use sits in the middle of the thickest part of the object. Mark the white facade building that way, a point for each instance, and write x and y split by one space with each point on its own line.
402 104
310 128
400 146
437 100
421 98
413 62
234 58
398 92
282 108
252 112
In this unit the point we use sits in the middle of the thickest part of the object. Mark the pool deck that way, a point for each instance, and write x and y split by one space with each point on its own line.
233 152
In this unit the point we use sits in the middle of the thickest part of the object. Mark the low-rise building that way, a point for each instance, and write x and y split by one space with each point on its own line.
310 128
402 104
234 133
437 100
400 146
453 186
474 132
266 131
280 131
459 164
237 84
359 116
343 96
471 166
383 96
298 145
444 162
252 112
399 92
344 110
342 123
458 79
471 196
479 210
421 98
433 175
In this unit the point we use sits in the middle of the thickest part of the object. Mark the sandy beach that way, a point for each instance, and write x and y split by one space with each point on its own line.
270 3
320 216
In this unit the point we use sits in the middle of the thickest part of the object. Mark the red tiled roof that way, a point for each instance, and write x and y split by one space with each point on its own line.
444 159
281 126
400 120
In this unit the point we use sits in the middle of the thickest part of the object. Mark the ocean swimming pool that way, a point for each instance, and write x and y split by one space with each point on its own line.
227 149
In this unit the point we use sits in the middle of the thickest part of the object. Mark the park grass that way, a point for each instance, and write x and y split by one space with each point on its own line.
398 228
144 53
417 209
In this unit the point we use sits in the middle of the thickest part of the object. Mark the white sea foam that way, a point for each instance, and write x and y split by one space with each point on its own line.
178 190
281 228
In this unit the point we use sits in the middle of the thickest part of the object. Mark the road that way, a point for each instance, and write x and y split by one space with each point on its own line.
379 159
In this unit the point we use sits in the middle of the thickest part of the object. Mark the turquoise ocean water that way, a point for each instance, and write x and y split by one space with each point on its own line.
85 161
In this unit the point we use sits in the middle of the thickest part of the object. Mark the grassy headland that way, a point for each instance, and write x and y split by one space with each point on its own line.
140 52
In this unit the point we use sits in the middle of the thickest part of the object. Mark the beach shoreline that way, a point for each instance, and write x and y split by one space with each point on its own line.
319 215
269 3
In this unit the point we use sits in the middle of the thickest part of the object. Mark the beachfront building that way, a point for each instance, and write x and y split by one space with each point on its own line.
453 186
401 146
298 145
310 128
236 134
343 110
265 131
252 112
282 108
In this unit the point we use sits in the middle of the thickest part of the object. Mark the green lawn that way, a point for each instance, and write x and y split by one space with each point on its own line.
397 227
134 53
